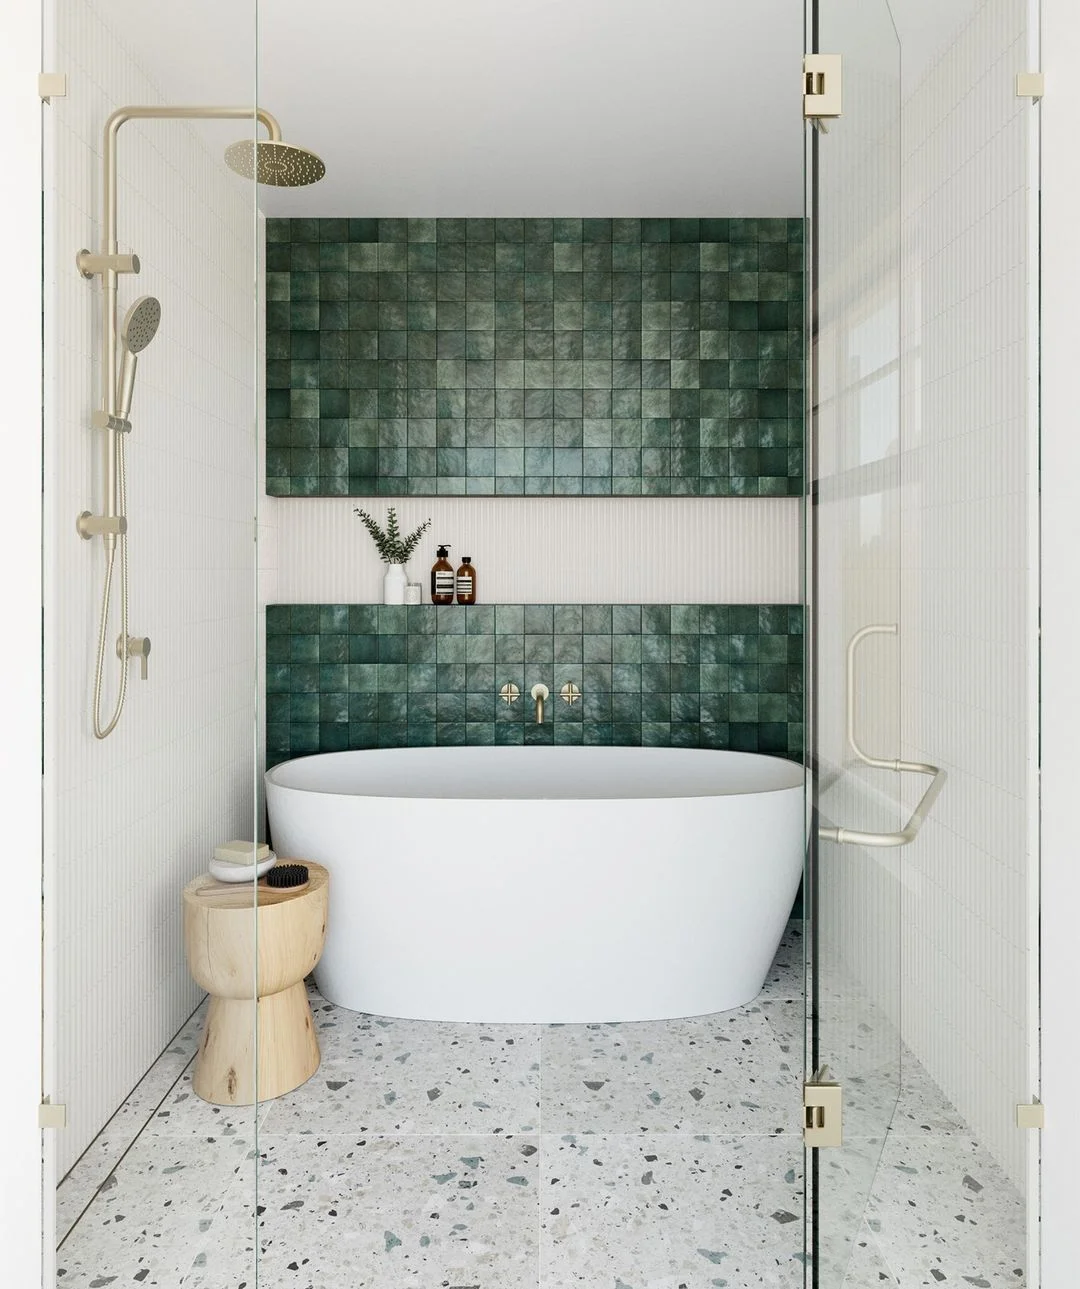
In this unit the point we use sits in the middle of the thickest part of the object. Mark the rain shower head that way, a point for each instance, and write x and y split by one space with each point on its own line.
270 161
139 328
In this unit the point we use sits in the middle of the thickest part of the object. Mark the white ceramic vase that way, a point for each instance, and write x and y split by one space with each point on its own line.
394 583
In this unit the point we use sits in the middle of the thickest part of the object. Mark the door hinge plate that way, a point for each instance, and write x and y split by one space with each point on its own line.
1031 1116
52 85
823 1110
822 86
52 1116
1030 85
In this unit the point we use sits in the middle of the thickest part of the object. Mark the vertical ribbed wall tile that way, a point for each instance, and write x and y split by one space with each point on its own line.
968 645
131 819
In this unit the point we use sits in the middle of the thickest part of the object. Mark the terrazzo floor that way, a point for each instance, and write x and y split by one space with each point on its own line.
652 1155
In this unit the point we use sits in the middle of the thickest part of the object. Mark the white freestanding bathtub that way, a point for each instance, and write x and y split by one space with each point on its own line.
545 884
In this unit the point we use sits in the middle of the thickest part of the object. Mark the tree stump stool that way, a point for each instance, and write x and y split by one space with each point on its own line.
250 949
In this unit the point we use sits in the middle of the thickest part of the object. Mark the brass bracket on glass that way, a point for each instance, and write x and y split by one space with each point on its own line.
822 88
51 1115
1030 85
1031 1115
823 1111
570 693
509 693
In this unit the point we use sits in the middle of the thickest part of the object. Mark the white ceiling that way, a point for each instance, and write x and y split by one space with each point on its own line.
504 107
525 107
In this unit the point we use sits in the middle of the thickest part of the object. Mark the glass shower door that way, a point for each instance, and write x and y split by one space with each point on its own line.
855 619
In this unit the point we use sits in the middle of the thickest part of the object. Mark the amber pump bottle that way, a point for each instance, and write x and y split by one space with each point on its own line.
466 581
442 578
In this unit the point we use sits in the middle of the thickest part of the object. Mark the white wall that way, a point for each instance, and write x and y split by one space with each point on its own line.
969 648
564 550
25 1208
131 819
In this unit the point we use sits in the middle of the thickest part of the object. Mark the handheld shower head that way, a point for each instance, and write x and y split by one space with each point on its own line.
139 328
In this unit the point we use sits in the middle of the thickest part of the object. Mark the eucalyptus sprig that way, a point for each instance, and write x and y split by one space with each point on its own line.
393 548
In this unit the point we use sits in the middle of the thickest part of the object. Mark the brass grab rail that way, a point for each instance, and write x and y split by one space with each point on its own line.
907 834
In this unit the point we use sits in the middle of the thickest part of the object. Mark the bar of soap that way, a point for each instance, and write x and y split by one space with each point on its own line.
245 853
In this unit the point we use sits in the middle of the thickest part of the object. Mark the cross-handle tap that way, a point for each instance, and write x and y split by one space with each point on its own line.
539 693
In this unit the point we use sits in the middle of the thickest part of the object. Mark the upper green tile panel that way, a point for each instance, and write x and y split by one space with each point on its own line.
536 357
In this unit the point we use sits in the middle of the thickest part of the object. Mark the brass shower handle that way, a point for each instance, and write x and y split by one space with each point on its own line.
137 647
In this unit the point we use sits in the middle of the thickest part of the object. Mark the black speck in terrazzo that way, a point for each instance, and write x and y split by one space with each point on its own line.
696 1093
335 1085
783 1216
938 1275
434 1094
972 1185
594 1085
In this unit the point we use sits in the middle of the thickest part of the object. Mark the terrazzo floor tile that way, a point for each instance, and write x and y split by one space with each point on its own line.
381 1075
106 1150
786 977
151 1217
381 1212
722 1074
943 1212
671 1212
864 1267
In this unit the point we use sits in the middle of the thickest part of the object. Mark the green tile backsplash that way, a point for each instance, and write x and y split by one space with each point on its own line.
342 676
534 357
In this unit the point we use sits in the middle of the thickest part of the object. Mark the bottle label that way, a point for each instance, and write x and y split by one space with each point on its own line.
464 586
444 582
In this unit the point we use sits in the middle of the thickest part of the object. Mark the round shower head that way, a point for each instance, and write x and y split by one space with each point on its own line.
141 324
269 161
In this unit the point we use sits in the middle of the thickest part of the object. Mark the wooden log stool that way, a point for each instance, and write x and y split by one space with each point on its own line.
259 1038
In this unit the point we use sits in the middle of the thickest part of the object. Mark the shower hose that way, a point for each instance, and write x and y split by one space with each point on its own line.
120 543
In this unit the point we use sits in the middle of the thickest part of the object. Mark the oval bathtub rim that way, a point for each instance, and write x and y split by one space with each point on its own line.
798 786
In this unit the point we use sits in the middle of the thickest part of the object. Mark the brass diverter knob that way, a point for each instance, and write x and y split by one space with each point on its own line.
570 693
509 693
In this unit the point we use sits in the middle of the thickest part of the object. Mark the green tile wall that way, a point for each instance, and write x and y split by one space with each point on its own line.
534 357
342 676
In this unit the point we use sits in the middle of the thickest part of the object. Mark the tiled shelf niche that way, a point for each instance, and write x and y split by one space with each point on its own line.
343 676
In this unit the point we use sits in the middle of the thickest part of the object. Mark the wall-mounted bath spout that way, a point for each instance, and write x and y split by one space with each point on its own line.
539 693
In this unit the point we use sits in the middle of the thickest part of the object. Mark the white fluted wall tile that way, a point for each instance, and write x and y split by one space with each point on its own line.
967 639
131 819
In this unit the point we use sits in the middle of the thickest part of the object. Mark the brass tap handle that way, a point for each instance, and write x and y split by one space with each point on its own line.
539 694
137 647
509 693
570 693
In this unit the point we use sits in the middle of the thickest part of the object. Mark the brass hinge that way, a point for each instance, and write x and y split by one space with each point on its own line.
822 87
1030 85
823 1110
52 1116
52 85
1031 1115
